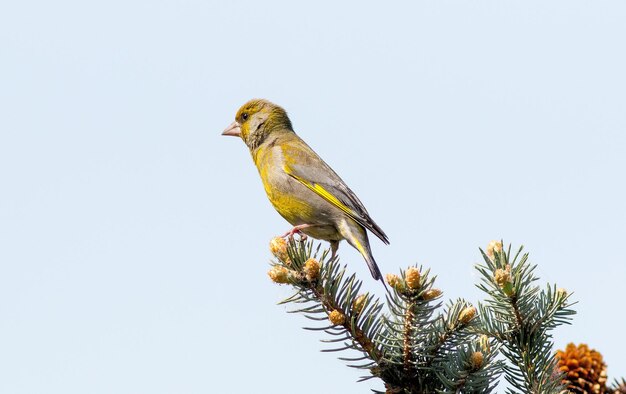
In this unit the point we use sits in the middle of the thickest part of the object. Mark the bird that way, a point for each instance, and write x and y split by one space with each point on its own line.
304 190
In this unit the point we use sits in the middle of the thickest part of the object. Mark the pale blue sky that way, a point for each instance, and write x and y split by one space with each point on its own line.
133 237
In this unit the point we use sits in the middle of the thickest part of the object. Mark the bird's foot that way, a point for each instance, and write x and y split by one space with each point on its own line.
297 230
334 245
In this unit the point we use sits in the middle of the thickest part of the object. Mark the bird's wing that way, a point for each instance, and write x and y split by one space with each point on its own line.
310 170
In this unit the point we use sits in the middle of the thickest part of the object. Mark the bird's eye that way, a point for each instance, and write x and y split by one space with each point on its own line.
244 116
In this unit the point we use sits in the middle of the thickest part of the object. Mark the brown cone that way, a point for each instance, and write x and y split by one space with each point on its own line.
583 368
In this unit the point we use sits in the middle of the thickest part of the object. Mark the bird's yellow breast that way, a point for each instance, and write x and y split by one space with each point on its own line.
280 188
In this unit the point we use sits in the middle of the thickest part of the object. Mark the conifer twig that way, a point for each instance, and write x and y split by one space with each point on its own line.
420 346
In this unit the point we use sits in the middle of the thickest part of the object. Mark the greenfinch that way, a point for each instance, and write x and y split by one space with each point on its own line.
300 185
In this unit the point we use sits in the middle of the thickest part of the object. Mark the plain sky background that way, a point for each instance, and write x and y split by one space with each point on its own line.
134 238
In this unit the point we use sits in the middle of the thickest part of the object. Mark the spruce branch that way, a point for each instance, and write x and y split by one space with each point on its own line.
411 304
418 346
618 387
327 295
472 366
520 316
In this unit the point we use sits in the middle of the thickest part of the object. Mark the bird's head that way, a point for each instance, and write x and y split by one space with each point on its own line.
256 120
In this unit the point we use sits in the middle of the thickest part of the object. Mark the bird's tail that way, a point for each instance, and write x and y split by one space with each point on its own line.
357 237
371 263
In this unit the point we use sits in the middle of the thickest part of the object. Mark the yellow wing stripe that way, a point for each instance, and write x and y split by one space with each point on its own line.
319 190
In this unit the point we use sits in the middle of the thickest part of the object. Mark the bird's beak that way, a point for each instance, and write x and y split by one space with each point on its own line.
233 129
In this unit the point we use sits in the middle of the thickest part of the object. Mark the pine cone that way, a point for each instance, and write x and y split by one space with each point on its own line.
584 369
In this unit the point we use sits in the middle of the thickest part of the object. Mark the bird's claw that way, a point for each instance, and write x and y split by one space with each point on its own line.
293 231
